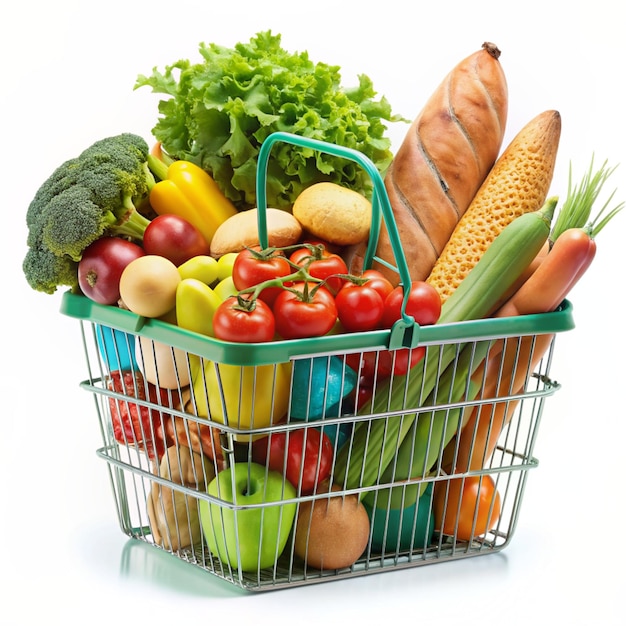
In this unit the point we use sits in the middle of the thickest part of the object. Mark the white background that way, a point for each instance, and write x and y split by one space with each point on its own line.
67 80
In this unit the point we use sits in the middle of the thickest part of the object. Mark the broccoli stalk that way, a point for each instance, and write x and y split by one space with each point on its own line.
130 224
124 219
87 197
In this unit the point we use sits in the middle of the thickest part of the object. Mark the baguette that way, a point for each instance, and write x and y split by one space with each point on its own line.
448 151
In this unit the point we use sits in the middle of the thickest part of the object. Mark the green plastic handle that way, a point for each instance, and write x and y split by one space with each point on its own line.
405 332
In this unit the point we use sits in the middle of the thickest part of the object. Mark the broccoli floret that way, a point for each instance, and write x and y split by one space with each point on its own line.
46 271
72 221
61 179
85 198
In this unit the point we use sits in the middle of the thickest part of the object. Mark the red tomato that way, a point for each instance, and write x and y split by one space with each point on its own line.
101 267
359 307
424 304
370 365
174 238
304 456
466 507
376 280
252 267
233 321
322 264
304 313
404 359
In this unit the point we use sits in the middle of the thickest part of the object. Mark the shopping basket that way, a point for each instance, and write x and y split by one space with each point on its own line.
185 420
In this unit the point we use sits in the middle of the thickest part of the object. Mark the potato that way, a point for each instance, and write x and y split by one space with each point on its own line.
331 533
173 514
334 213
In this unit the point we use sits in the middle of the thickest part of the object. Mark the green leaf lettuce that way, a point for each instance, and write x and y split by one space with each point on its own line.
218 112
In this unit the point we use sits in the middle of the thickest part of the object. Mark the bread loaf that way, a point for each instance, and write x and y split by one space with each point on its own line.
448 151
334 213
241 230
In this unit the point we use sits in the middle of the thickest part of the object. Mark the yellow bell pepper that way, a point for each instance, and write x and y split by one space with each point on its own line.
196 303
191 193
226 288
202 267
242 396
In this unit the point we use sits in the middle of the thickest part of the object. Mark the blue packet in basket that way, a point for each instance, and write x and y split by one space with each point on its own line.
117 348
319 386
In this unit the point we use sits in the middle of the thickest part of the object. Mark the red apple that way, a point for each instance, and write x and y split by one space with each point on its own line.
101 266
174 238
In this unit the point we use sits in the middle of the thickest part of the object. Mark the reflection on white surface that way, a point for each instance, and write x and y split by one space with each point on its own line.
144 562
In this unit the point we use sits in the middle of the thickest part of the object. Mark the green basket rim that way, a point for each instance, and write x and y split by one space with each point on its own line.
80 307
405 333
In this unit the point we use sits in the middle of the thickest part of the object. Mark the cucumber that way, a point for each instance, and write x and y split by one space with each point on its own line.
375 442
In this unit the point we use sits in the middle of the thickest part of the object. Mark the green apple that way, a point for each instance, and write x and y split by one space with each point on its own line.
241 525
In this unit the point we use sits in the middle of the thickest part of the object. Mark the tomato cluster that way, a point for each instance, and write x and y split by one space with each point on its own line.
307 291
289 296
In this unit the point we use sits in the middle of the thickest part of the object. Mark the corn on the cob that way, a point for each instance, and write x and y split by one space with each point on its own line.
518 183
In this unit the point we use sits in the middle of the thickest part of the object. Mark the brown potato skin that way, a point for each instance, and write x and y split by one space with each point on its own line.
331 533
447 152
173 514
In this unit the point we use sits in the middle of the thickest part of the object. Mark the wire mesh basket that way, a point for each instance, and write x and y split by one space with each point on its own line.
271 465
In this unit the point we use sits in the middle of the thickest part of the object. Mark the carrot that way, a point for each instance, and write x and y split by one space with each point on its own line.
574 215
518 183
571 244
572 248
506 375
564 265
511 361
506 372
